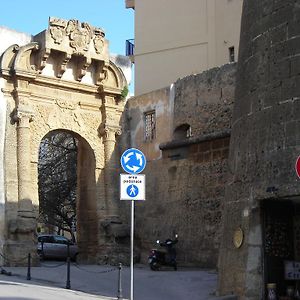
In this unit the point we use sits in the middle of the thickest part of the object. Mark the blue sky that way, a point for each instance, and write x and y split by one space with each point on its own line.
31 16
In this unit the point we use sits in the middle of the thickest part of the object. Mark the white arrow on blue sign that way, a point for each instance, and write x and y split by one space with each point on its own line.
133 161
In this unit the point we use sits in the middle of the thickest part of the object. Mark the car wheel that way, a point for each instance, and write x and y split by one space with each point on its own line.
154 267
74 258
41 255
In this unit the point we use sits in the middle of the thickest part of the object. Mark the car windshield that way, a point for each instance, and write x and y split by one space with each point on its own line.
46 239
56 239
61 240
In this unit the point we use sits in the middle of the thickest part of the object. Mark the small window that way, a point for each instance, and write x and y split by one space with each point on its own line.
183 131
149 125
231 54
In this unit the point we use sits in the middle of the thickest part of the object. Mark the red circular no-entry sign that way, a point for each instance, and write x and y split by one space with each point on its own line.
297 166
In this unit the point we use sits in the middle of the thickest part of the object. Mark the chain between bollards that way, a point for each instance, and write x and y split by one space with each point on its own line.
120 296
29 267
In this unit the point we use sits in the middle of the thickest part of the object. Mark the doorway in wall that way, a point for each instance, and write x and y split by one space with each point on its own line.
281 240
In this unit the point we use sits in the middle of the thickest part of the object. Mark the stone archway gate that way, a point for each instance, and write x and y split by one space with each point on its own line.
65 80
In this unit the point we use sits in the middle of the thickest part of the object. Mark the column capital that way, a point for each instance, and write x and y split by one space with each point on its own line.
24 114
109 132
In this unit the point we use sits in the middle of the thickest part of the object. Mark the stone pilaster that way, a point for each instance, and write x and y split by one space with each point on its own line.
24 117
108 133
22 228
110 251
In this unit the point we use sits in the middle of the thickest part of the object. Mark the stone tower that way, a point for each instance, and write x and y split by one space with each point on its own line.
261 217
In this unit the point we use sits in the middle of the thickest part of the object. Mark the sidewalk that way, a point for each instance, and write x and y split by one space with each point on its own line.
23 291
86 281
101 282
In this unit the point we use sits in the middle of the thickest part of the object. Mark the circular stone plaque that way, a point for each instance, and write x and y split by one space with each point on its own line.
238 237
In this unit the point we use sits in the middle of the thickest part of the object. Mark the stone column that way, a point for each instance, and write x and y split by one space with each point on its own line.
110 170
110 223
110 250
22 228
24 117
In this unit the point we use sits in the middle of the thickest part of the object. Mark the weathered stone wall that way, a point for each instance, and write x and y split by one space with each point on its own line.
265 139
204 101
185 188
162 102
185 195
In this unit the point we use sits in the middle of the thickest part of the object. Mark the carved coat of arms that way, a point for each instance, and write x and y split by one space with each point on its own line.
80 36
57 29
98 40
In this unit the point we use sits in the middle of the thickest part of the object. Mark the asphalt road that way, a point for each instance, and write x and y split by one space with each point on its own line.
183 284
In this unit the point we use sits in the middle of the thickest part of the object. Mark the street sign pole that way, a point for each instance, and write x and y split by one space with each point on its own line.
131 249
132 187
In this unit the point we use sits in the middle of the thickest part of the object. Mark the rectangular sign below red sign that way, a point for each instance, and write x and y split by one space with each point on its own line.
132 187
291 270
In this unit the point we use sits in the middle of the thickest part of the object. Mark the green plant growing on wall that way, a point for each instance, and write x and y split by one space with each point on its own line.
124 92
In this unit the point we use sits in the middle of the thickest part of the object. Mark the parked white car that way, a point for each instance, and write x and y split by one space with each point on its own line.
55 246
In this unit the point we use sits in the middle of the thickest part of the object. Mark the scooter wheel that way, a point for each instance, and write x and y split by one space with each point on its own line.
154 267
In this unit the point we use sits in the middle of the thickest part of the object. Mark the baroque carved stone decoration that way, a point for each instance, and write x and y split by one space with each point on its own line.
98 40
83 65
109 131
65 58
57 29
80 36
24 112
66 104
43 56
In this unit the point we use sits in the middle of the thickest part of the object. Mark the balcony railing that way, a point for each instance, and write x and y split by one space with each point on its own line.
130 47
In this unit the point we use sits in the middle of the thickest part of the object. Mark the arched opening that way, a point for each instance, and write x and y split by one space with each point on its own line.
67 190
183 131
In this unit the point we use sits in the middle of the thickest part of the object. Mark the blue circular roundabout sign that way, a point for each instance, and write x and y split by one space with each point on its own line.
133 161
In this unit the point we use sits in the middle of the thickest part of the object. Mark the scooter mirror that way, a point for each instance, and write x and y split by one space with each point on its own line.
157 241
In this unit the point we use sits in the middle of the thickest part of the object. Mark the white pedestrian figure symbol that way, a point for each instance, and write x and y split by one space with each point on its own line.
132 190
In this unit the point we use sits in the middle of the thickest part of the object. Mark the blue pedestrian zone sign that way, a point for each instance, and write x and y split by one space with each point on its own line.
132 187
133 161
132 190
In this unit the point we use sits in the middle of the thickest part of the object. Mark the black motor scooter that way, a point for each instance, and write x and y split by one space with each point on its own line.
166 257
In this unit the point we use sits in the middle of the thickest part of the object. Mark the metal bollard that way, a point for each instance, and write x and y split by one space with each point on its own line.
120 296
42 249
68 283
28 267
